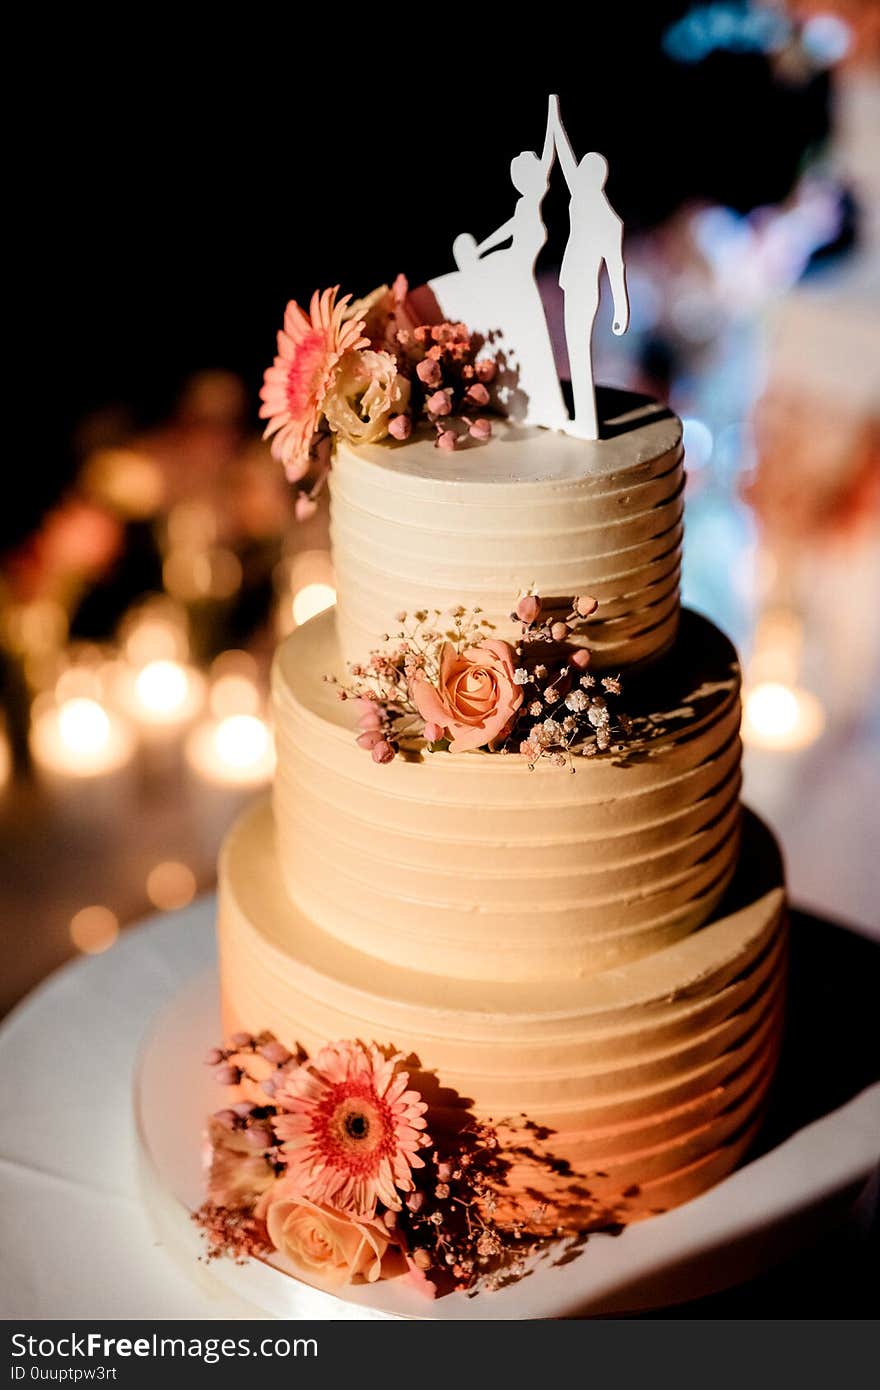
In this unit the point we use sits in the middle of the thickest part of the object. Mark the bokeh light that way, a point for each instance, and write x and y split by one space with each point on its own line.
237 750
698 443
84 726
311 600
162 687
94 929
5 758
781 717
827 38
233 694
79 737
171 885
129 483
241 740
191 575
155 631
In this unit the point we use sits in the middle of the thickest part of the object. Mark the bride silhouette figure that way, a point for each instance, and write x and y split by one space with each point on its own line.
495 293
596 236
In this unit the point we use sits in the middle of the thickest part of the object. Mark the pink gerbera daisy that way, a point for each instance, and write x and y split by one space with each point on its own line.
294 387
351 1130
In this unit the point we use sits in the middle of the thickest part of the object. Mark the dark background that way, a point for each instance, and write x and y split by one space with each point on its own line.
180 189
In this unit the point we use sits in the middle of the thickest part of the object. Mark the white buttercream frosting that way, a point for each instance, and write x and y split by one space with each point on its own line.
414 527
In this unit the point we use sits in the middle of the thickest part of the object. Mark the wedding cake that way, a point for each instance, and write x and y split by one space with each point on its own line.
503 960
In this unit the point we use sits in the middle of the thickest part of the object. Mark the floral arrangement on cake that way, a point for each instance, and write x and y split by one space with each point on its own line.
367 370
445 682
341 1164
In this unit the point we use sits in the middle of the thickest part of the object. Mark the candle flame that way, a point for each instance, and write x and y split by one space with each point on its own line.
781 717
312 599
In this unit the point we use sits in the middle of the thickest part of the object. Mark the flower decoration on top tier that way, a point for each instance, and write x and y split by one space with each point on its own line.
369 370
444 682
473 339
295 387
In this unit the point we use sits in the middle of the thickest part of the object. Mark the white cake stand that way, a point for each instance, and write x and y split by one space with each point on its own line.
779 1201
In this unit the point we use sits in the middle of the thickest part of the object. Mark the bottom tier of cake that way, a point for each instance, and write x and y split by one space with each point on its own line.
623 1094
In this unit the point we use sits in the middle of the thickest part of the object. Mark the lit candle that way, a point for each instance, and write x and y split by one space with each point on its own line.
306 586
162 694
79 737
235 751
311 600
781 717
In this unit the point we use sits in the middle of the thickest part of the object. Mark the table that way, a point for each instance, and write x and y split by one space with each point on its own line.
77 1242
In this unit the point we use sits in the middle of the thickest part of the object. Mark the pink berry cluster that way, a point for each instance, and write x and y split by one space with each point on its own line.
450 386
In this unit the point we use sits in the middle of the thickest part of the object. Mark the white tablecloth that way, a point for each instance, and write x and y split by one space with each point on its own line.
75 1238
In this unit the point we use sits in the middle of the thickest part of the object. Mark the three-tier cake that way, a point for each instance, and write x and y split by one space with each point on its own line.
565 953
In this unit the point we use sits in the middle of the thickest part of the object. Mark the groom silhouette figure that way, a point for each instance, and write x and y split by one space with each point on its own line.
596 237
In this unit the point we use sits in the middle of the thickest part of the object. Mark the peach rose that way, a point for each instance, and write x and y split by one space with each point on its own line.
322 1243
476 697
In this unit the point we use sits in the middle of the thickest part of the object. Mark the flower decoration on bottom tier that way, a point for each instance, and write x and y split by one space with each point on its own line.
357 1164
444 681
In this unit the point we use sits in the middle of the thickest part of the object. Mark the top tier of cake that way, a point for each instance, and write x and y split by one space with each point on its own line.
414 527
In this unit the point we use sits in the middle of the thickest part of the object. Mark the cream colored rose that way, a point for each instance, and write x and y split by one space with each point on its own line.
321 1243
365 391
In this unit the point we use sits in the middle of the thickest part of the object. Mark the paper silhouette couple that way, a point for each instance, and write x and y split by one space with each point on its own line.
497 296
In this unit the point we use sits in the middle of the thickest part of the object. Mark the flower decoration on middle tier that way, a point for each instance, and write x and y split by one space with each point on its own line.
445 682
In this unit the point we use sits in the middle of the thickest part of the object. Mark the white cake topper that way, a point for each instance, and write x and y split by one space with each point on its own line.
497 295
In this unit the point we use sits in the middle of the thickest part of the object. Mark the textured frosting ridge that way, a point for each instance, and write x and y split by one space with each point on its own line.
414 528
472 866
654 1073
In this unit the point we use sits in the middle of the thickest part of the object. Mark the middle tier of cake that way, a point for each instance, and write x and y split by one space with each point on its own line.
475 867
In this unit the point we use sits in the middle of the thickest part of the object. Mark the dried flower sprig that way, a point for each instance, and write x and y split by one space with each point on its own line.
454 1233
444 682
